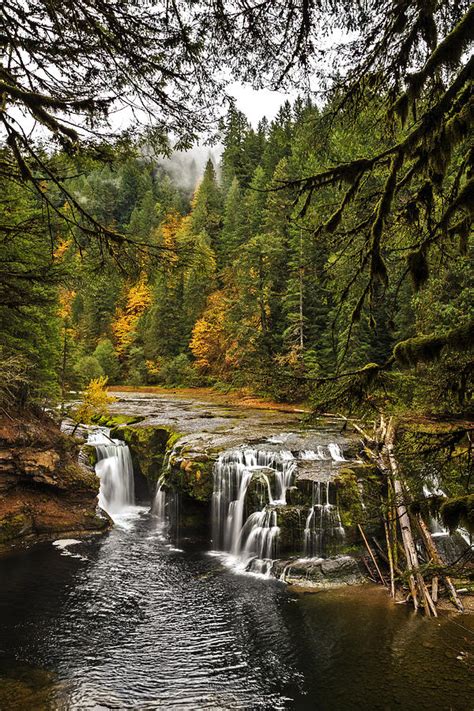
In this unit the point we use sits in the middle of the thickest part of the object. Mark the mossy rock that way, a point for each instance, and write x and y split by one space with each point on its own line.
149 446
291 521
193 477
459 511
89 454
116 420
349 499
301 494
257 491
14 526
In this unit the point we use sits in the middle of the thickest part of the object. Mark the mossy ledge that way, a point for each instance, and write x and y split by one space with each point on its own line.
149 445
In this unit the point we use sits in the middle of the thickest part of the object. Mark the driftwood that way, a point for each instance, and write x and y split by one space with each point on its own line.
374 561
380 448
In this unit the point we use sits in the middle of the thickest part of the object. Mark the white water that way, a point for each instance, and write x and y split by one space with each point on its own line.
115 470
159 505
252 541
335 452
323 527
166 503
252 537
436 528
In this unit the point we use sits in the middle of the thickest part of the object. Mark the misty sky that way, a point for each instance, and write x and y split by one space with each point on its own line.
256 104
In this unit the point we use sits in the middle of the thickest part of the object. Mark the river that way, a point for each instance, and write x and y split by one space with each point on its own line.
127 621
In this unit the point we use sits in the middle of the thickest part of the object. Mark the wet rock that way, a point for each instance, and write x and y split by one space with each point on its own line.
452 547
291 521
148 445
191 473
321 573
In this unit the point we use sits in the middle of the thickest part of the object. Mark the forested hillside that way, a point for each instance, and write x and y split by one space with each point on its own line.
235 284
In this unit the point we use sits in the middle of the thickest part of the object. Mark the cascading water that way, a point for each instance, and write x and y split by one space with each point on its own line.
252 537
115 470
252 540
335 452
158 508
166 506
323 529
431 489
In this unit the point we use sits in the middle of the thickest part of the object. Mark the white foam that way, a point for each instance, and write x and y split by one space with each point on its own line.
63 544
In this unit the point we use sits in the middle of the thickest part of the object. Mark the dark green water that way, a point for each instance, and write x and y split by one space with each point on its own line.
133 624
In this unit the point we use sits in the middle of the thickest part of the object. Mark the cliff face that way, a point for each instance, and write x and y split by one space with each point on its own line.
44 491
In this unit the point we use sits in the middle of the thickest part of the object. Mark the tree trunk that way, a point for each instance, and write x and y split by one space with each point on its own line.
390 558
415 579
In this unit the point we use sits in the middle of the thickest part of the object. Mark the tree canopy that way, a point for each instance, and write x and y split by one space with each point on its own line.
295 251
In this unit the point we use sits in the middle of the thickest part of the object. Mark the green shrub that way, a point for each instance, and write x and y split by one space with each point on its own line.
88 368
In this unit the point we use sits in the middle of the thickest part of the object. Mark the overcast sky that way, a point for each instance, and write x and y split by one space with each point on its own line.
256 104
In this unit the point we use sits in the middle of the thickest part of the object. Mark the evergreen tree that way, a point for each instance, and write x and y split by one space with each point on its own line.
235 160
255 200
206 212
233 228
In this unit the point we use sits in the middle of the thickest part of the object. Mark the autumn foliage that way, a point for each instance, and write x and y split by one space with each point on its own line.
208 342
137 301
95 401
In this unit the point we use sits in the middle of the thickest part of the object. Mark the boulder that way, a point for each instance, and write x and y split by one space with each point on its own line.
320 573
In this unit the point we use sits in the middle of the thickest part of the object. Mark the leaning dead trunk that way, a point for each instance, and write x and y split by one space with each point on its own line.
415 579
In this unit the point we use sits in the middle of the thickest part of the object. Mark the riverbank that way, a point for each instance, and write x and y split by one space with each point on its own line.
44 491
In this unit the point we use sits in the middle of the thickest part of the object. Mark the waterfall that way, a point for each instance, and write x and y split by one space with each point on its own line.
323 529
115 470
158 508
335 452
232 474
166 506
252 540
245 479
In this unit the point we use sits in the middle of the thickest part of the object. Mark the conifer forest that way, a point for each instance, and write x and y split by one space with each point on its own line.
236 354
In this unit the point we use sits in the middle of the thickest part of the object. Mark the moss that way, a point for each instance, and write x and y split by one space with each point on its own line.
116 420
149 446
193 477
172 439
349 498
90 453
291 521
13 526
428 348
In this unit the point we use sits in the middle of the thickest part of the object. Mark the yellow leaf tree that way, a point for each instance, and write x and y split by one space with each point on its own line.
137 301
95 401
209 342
